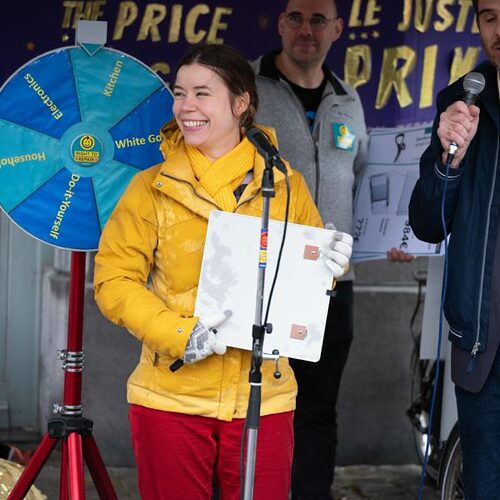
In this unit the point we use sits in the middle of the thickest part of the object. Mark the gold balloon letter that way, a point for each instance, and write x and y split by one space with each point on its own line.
445 15
423 15
358 65
127 14
154 14
404 25
428 75
463 64
394 77
217 24
175 23
354 18
191 35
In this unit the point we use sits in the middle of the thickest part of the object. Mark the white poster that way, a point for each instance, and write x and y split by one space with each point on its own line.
383 194
235 250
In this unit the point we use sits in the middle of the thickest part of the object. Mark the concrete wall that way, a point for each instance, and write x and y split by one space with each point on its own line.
375 391
373 426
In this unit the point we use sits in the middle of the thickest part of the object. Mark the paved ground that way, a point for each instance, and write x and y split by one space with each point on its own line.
359 482
381 483
352 483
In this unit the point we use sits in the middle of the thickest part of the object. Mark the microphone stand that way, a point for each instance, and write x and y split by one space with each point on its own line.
258 332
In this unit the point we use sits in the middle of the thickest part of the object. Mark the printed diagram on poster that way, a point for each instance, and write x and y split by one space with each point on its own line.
384 191
232 256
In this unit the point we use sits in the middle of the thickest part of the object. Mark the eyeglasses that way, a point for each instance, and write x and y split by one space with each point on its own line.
317 22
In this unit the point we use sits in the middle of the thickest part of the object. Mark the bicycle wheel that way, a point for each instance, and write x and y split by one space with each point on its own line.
451 480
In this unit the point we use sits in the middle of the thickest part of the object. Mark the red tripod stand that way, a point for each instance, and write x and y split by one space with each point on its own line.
74 431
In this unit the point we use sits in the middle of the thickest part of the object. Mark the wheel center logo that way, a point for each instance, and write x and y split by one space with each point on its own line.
87 142
86 150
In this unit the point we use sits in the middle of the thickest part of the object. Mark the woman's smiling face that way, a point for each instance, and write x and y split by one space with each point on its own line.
205 111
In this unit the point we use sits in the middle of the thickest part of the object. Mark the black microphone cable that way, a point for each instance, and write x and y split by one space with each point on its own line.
430 417
280 253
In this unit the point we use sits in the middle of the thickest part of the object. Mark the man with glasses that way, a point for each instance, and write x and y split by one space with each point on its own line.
321 130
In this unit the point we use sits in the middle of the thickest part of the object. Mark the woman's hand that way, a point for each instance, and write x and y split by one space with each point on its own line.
339 253
203 341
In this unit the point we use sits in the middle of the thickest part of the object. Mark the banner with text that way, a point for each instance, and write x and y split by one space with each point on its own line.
397 53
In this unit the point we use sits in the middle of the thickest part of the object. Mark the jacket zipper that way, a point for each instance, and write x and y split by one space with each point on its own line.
477 344
316 164
473 354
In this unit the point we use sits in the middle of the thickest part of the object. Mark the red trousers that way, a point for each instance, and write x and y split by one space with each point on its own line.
178 456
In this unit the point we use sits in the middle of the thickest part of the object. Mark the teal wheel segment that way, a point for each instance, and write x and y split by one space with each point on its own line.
109 186
62 212
110 84
41 95
137 137
27 160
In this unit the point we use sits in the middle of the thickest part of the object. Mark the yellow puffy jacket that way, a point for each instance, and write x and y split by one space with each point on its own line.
146 277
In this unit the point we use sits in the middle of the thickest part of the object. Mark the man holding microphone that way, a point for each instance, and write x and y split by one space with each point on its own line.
462 165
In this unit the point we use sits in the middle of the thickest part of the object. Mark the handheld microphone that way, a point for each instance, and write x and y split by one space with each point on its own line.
473 85
266 149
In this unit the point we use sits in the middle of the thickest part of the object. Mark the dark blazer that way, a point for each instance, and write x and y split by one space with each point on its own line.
471 215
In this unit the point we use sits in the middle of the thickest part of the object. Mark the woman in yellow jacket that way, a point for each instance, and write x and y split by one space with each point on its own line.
187 425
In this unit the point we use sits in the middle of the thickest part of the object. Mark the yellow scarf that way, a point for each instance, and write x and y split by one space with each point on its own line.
221 177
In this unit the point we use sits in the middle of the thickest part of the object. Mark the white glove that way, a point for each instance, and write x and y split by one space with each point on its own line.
203 342
339 253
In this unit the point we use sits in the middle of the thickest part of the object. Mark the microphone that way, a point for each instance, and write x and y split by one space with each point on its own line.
266 149
473 85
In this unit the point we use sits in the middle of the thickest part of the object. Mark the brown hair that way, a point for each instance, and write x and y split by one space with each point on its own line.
475 5
234 70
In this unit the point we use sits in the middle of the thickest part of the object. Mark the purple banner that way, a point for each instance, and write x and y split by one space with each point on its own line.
397 53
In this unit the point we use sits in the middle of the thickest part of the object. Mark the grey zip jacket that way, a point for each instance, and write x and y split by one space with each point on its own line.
330 172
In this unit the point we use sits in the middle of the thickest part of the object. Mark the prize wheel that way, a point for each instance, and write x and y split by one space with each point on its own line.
74 129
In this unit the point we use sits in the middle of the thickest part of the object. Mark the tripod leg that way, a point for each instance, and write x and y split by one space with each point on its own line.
32 470
100 476
63 472
76 479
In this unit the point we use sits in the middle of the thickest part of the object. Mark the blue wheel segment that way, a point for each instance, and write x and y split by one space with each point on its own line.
42 96
137 137
63 212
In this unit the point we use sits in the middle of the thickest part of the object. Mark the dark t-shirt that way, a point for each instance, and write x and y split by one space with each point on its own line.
310 98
